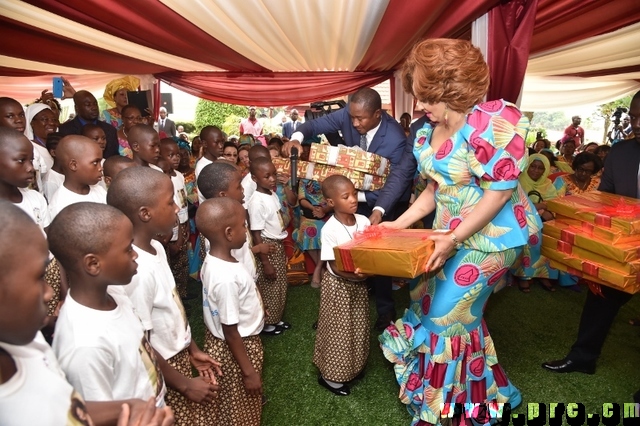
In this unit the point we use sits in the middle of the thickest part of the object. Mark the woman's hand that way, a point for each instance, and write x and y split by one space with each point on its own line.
444 246
390 225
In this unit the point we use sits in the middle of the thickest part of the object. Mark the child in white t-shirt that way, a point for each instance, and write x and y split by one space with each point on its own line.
249 185
99 341
33 388
54 177
212 141
96 134
80 159
265 220
342 339
178 257
145 196
114 165
233 314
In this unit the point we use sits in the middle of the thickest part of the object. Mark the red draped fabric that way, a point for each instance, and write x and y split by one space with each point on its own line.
272 89
150 24
406 22
562 22
510 31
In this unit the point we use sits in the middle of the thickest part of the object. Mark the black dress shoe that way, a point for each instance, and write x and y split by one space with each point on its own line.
360 376
283 325
568 366
384 320
275 332
315 325
341 391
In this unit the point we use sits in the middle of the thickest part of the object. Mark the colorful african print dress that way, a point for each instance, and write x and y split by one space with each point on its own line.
307 235
441 347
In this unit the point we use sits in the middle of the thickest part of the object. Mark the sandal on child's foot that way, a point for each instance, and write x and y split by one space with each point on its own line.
524 286
283 325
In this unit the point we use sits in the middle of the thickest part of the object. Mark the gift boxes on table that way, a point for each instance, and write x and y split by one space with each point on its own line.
600 209
349 158
380 251
628 284
319 172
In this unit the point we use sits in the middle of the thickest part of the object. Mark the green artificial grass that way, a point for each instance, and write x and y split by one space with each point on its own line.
527 329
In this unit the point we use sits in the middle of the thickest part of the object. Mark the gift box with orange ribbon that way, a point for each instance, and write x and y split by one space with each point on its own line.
381 251
352 158
594 273
572 234
319 172
601 209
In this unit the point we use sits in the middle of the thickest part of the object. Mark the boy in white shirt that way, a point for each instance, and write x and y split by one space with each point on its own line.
267 226
33 389
249 185
145 145
54 177
342 339
81 162
99 340
145 196
114 165
178 258
96 134
212 141
233 314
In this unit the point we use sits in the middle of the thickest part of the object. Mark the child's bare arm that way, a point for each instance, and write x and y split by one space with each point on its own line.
356 276
251 378
207 367
194 388
104 413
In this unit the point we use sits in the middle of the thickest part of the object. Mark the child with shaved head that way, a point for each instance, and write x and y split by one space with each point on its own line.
33 388
249 185
212 143
81 163
114 165
267 226
233 313
342 340
99 341
145 196
145 144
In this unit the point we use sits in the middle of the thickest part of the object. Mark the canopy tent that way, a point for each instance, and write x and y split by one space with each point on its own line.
268 52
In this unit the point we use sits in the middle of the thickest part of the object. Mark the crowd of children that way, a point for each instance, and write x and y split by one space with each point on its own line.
106 248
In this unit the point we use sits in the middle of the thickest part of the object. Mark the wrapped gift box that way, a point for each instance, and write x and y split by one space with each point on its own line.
600 209
631 287
624 268
349 158
620 252
603 274
319 172
397 253
609 235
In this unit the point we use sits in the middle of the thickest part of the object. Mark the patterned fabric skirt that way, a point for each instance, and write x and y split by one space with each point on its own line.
307 236
532 264
233 406
273 292
179 262
53 279
342 340
441 347
185 411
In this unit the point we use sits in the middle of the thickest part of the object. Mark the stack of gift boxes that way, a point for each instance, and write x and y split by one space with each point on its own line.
595 236
366 170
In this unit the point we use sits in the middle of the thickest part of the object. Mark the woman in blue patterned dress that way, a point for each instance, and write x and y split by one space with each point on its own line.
472 156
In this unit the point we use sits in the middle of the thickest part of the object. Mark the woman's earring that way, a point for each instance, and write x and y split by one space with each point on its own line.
446 116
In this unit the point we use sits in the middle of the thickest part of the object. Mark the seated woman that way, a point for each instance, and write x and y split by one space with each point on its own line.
585 177
539 188
130 117
565 159
555 174
230 152
115 95
590 147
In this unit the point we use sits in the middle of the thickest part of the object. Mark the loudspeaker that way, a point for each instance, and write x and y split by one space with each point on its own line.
166 101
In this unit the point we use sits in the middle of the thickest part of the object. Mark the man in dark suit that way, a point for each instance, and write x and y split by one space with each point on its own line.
621 176
165 124
290 127
87 111
363 123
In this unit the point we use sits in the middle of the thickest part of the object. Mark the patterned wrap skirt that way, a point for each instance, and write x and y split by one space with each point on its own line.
273 292
179 262
342 339
233 406
53 279
186 412
441 347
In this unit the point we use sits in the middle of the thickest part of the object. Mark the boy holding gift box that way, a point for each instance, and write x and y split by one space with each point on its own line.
342 341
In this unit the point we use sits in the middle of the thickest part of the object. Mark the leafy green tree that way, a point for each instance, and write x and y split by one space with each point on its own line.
231 125
552 120
605 111
210 113
189 127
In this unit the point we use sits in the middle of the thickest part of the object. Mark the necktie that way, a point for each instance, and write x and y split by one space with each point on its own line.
363 142
293 126
162 123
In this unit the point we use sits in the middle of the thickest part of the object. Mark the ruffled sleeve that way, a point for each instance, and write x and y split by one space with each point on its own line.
496 133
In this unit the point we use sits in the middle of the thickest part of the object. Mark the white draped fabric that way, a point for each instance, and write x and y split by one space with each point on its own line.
403 101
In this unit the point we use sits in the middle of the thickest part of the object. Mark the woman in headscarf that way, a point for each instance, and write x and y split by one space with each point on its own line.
531 264
115 95
40 122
